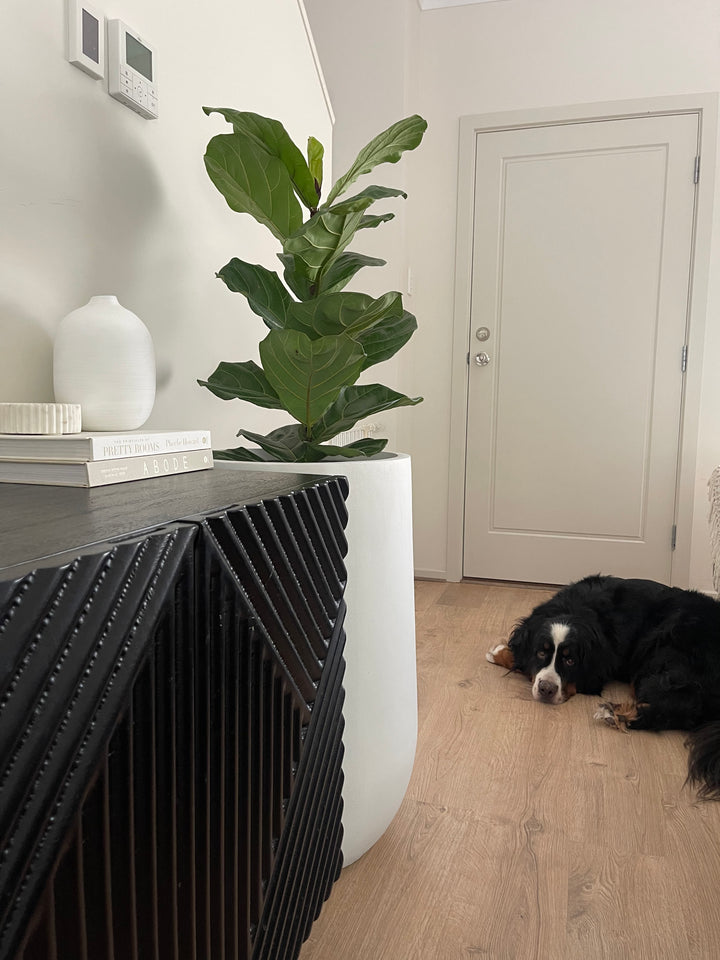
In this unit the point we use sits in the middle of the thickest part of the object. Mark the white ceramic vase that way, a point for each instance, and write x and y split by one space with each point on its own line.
103 359
381 677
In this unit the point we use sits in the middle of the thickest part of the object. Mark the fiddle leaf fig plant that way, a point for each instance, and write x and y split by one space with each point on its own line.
321 337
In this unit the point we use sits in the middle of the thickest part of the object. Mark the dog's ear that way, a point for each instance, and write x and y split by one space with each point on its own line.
597 664
520 642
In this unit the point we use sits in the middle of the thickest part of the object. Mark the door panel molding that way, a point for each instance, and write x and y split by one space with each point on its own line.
705 107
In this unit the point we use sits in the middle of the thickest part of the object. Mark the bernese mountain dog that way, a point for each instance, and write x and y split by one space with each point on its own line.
663 641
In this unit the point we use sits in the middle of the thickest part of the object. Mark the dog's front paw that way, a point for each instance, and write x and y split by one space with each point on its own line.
606 713
490 655
618 715
502 655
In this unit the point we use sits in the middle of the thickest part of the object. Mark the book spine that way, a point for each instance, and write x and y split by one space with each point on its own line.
103 472
149 444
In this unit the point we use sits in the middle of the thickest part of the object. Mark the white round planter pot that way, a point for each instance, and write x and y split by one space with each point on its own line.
381 678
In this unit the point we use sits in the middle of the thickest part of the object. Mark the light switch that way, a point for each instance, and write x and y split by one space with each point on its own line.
86 38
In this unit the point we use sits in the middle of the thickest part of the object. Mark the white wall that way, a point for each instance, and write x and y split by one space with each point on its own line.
509 55
94 199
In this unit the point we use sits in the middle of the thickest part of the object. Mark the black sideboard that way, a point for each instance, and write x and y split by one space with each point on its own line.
171 664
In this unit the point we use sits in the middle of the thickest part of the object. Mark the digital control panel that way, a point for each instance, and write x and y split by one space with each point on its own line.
132 76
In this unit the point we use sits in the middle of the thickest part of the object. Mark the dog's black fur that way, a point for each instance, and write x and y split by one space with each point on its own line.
663 640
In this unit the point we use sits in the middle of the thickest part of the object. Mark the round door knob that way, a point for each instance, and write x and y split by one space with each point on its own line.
482 359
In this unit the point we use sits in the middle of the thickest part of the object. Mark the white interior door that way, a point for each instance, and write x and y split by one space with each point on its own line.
581 267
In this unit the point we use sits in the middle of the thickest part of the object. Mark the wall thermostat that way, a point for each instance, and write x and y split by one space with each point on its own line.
86 38
132 70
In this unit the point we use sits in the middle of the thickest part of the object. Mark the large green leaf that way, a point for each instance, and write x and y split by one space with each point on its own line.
284 443
265 292
316 152
238 453
337 313
287 444
242 381
354 204
351 451
374 220
306 374
252 181
319 242
387 147
344 268
357 403
272 137
385 339
368 445
359 202
295 278
375 193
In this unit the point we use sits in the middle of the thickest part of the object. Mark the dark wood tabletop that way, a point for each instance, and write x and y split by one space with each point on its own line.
38 521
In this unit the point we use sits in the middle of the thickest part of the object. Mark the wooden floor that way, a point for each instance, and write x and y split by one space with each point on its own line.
529 831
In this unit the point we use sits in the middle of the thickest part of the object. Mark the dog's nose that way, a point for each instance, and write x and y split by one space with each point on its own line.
547 689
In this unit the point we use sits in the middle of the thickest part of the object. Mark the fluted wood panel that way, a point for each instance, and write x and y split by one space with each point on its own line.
206 823
72 639
284 559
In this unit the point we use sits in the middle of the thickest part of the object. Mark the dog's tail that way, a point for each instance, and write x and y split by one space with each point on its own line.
704 761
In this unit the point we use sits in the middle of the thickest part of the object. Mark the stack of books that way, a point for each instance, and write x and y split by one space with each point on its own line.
98 459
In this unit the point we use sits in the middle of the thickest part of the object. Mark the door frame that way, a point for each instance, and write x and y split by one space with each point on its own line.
705 105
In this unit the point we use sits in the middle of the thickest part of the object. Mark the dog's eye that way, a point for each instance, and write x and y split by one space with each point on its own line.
569 661
542 654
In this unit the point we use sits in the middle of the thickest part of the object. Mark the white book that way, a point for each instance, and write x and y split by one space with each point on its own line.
100 473
101 446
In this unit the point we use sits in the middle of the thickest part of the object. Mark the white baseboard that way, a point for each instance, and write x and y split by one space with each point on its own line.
430 575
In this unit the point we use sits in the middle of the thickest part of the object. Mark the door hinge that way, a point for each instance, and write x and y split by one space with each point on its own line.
696 171
467 359
683 358
673 537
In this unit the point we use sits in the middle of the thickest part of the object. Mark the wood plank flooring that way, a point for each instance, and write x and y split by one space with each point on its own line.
529 832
